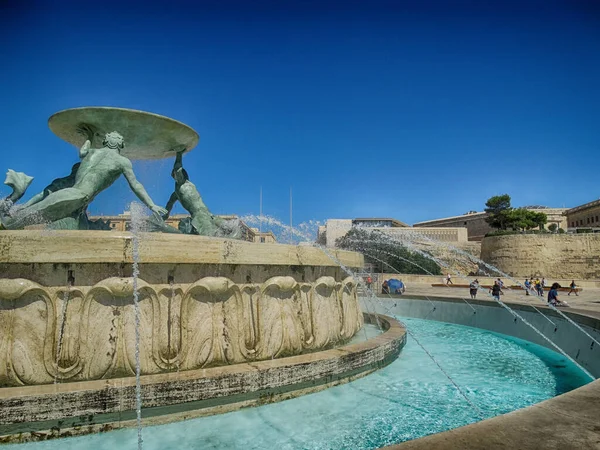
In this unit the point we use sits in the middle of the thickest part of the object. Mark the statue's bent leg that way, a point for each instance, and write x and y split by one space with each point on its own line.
204 224
56 206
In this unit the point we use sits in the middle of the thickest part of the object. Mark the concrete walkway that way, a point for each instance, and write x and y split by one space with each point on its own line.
588 300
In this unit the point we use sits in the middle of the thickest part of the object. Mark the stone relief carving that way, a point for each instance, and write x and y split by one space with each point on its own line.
211 322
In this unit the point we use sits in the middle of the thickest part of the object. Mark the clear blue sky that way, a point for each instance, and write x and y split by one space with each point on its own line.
413 110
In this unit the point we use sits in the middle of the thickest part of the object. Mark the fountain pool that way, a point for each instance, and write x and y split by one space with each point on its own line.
406 400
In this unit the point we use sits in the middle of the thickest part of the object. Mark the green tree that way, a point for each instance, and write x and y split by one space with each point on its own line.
553 227
524 219
385 254
498 209
539 219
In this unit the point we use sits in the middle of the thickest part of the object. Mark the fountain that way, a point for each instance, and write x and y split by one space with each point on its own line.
160 323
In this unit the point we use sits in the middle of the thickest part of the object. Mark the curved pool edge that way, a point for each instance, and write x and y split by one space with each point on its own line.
567 421
42 412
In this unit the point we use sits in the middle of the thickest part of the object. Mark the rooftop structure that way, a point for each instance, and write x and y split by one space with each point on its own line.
584 216
477 227
379 222
336 228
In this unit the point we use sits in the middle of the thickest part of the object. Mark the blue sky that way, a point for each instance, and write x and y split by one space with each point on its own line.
413 110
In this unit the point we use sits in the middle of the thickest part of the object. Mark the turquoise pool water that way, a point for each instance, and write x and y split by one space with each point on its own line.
408 399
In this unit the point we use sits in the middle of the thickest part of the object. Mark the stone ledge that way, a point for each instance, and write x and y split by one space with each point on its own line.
76 247
49 411
569 421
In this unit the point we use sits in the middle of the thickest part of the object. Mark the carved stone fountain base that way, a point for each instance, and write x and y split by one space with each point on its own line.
210 308
69 409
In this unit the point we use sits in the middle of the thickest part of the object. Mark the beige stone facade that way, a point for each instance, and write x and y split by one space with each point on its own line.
584 216
336 228
556 256
477 227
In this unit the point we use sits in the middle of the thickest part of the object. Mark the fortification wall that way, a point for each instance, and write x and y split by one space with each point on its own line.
553 255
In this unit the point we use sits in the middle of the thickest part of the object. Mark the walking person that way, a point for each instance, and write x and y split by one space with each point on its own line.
573 287
448 279
473 287
527 286
369 282
501 284
538 287
495 290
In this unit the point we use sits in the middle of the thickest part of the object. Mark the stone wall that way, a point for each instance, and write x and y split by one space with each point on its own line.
67 303
552 256
29 413
87 332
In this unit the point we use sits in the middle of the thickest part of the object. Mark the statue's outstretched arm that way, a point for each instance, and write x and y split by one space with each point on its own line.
178 161
138 189
85 149
172 200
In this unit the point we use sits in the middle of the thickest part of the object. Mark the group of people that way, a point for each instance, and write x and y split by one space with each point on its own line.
495 290
537 286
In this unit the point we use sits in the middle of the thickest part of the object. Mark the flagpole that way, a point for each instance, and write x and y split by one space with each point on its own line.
260 212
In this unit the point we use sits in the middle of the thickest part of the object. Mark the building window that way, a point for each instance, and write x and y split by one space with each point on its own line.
588 220
262 240
572 224
592 219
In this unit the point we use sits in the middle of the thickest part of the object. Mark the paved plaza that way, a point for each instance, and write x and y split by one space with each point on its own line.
588 300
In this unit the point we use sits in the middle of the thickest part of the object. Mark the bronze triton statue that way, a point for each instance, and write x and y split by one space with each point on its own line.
99 169
201 221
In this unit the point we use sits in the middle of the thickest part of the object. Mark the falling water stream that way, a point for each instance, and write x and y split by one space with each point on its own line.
498 271
404 241
411 246
61 328
370 296
137 213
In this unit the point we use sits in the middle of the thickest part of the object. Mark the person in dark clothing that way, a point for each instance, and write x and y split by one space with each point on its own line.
495 290
539 288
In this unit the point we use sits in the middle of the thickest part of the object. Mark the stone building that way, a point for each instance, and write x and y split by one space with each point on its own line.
122 222
584 216
477 227
336 228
